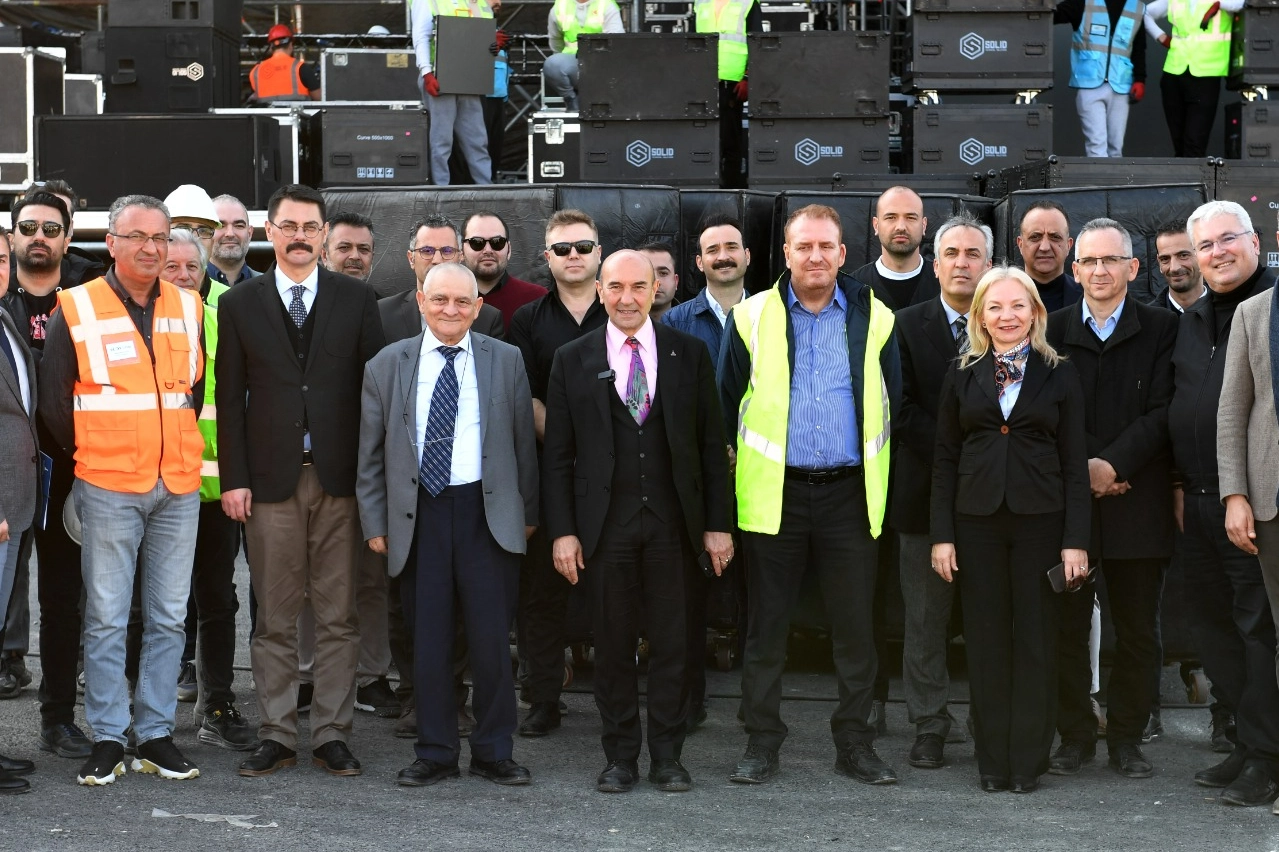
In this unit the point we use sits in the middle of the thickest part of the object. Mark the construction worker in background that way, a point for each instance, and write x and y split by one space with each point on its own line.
732 19
283 76
569 19
1107 67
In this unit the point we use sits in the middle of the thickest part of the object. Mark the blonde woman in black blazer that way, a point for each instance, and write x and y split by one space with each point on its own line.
1010 500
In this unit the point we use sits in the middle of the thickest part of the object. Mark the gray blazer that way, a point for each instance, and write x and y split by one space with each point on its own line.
1247 432
386 481
19 462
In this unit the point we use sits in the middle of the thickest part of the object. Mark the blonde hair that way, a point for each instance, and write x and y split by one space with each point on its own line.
979 339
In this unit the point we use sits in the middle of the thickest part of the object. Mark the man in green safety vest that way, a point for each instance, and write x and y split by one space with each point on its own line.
1198 57
567 20
732 20
809 375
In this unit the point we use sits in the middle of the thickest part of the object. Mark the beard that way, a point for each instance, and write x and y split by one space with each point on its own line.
902 250
230 252
39 262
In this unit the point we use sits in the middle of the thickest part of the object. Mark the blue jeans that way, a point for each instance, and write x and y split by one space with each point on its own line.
123 532
8 567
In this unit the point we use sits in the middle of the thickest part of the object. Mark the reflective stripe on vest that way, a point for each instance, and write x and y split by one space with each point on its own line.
278 76
566 17
133 412
1204 53
210 483
764 412
731 26
1099 55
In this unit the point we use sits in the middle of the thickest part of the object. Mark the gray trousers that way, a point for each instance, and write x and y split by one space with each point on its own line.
560 72
457 119
928 599
1103 116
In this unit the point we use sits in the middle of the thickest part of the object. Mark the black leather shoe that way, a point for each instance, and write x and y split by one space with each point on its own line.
1252 788
505 772
1025 785
1070 757
994 784
670 776
927 753
756 766
1224 773
336 759
11 783
543 717
618 777
268 757
1129 762
424 773
16 766
859 761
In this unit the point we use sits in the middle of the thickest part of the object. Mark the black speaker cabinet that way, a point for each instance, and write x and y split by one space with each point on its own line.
369 146
223 15
163 70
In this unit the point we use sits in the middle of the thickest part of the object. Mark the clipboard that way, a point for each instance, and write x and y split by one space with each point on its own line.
463 64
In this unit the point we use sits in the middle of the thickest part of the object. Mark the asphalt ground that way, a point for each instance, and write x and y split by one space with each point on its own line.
806 806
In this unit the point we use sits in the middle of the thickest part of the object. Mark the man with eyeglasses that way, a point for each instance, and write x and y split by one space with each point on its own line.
231 242
291 353
1234 627
1122 350
1044 242
570 310
1180 269
486 250
192 210
111 343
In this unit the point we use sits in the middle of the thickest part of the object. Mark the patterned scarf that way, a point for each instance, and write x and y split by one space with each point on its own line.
1007 371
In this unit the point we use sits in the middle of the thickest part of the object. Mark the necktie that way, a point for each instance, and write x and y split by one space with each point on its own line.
297 308
637 400
8 354
441 425
961 335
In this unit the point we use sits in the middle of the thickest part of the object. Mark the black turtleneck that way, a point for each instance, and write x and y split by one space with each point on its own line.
1059 292
1224 304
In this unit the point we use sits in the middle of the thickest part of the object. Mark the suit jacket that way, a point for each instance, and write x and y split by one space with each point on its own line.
401 318
19 461
577 454
927 348
1036 461
1247 431
1127 385
264 395
386 488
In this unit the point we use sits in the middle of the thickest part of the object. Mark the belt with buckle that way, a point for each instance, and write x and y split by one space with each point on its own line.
823 476
307 458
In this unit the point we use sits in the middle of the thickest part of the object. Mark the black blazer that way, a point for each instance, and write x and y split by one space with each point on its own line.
1127 385
577 455
401 318
264 394
1036 461
927 348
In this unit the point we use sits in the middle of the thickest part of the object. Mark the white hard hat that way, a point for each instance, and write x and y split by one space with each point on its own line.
191 202
378 29
71 520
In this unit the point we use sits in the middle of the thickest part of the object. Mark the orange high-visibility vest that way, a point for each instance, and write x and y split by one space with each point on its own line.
134 415
278 76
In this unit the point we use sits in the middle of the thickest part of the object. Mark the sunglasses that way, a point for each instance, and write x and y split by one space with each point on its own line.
27 227
477 243
583 247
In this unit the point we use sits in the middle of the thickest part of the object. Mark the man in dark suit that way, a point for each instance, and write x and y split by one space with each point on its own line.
930 336
1122 350
455 527
19 471
291 358
635 479
1044 242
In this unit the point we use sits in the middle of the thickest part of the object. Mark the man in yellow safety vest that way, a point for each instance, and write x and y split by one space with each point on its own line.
567 20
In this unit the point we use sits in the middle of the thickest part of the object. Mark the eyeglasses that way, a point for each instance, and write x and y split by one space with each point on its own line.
477 243
290 229
137 239
1111 260
1226 241
27 227
582 247
428 252
204 232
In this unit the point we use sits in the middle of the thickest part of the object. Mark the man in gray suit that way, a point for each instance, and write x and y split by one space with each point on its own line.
19 471
447 488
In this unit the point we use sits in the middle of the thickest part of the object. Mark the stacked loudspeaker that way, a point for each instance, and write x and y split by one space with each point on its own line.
978 48
1252 131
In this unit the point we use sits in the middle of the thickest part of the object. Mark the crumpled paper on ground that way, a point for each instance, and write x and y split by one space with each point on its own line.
237 820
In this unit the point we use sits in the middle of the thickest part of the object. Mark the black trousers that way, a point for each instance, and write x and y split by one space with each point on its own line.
1134 587
456 557
1010 632
824 529
60 586
1234 627
732 138
217 542
543 608
643 571
1190 108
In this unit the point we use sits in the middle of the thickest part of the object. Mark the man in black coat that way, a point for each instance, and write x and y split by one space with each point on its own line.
929 338
635 480
1122 350
900 276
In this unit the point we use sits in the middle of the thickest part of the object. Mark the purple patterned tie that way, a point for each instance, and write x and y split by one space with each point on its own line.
637 399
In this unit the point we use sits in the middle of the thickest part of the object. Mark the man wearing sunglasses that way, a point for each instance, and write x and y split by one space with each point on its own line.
486 250
570 310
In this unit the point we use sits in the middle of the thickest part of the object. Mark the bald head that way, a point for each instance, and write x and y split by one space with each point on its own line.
626 289
900 224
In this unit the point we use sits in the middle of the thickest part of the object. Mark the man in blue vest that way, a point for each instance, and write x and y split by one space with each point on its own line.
1107 66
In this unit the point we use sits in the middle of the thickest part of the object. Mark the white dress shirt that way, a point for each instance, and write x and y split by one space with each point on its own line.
284 285
466 436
